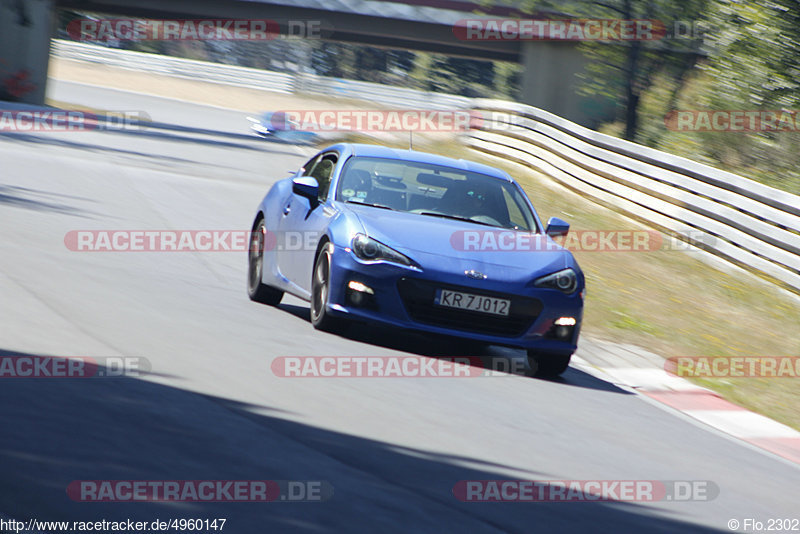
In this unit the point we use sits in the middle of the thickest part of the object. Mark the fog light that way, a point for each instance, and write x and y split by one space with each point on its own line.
563 332
360 295
563 328
361 288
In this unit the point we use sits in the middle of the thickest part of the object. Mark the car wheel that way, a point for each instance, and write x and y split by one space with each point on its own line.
548 364
257 290
320 291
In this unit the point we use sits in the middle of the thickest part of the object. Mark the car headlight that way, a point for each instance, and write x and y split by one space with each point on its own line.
565 280
367 249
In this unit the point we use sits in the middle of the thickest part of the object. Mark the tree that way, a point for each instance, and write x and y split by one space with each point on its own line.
460 76
625 70
754 65
755 53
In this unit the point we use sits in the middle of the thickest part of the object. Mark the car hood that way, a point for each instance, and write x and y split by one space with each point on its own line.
462 244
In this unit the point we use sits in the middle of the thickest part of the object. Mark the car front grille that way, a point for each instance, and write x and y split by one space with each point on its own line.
418 296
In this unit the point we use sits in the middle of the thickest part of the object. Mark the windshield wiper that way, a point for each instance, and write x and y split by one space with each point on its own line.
382 206
456 218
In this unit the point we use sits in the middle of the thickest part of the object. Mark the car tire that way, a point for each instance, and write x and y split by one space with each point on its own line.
548 364
320 292
256 289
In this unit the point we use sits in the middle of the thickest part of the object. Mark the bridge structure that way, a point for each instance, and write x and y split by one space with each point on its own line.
549 81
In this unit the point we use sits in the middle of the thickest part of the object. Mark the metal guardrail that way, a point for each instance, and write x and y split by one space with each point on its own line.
747 223
385 94
257 78
172 66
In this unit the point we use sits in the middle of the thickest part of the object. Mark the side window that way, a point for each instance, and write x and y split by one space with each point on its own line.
322 171
305 169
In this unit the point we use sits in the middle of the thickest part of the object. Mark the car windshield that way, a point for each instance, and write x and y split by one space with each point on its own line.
434 191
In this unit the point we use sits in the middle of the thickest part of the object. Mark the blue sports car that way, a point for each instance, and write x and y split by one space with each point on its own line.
419 241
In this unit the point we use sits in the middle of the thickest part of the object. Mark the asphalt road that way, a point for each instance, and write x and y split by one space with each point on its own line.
158 109
212 409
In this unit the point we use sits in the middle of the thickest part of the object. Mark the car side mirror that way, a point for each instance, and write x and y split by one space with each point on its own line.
307 187
556 227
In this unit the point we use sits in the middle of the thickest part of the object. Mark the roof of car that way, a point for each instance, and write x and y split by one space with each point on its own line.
377 151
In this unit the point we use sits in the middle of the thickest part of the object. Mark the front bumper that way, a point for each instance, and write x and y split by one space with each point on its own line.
403 298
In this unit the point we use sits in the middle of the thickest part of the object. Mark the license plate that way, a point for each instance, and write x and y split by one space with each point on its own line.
468 301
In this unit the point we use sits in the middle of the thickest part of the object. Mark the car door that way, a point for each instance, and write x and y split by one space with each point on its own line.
302 224
284 232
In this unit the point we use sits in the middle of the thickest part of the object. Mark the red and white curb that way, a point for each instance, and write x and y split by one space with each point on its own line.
706 407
